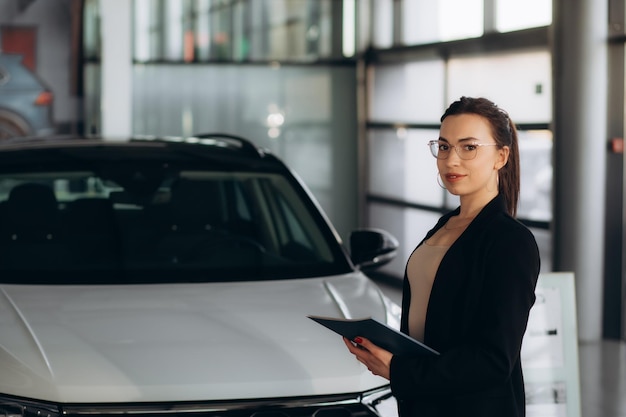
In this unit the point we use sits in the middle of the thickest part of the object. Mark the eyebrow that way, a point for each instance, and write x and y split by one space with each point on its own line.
470 138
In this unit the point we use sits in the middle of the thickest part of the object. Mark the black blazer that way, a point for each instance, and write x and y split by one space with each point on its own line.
476 318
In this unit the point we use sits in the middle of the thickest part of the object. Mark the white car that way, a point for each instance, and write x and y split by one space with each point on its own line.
158 277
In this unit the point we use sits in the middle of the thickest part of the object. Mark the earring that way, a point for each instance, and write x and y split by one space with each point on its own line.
439 181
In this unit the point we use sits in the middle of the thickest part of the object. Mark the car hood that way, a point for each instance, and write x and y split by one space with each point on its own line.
181 342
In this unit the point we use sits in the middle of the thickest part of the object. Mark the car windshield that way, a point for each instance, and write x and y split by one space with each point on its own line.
131 226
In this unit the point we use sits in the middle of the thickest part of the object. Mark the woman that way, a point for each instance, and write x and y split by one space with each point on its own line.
469 285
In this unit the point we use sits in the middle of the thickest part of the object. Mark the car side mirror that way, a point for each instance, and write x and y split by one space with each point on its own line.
372 248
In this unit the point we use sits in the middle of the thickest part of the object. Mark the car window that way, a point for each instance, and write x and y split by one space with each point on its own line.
184 225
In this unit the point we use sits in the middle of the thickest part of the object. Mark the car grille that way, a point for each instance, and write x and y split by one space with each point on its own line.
329 406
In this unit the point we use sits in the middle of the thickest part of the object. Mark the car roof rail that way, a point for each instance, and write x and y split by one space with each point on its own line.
230 140
224 140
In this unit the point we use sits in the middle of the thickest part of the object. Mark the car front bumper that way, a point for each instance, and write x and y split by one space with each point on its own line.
374 403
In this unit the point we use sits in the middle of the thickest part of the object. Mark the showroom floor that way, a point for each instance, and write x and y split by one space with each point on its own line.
602 372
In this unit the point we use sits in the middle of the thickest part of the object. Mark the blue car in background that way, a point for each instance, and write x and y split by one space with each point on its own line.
25 102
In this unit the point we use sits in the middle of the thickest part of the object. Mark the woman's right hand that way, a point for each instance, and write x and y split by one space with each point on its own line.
376 359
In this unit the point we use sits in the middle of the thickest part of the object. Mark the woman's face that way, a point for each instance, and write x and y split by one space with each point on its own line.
470 177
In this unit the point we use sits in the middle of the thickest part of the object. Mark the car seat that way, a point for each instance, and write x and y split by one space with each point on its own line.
32 235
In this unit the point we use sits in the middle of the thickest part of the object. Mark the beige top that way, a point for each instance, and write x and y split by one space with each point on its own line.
421 269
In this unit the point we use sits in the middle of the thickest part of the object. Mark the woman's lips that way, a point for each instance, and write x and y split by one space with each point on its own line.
454 177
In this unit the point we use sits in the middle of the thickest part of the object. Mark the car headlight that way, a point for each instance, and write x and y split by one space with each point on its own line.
14 407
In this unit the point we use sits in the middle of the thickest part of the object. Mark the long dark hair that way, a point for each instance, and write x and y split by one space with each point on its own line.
505 134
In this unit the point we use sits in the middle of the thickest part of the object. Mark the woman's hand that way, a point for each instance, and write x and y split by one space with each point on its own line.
376 359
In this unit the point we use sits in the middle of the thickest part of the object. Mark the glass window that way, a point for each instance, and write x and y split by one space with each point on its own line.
91 31
402 168
93 95
241 47
297 112
320 32
220 28
382 23
519 82
420 22
202 30
147 30
294 29
460 19
408 93
522 14
234 30
349 28
536 175
426 21
174 35
386 164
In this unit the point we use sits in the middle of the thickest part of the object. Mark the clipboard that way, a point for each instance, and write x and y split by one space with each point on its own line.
377 332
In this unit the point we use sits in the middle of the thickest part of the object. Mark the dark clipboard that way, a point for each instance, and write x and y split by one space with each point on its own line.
378 333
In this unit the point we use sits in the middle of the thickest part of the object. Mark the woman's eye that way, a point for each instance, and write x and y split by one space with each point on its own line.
443 147
470 147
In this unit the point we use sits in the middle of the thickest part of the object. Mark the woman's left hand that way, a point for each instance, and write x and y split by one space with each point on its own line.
376 359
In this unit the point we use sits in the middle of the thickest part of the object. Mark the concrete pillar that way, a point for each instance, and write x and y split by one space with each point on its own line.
580 137
116 68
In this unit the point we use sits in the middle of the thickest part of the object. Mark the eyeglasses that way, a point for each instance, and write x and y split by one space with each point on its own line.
441 150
